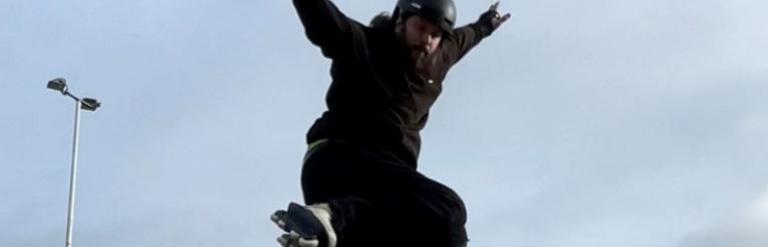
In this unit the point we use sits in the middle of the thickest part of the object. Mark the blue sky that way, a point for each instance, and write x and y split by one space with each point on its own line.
592 123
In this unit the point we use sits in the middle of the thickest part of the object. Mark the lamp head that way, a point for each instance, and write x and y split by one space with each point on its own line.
58 84
89 104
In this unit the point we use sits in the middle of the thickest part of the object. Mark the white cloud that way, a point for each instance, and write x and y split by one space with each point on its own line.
759 210
745 229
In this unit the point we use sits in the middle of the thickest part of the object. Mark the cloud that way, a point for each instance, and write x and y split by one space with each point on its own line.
745 229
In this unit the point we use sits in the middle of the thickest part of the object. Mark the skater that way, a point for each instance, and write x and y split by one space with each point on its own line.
359 178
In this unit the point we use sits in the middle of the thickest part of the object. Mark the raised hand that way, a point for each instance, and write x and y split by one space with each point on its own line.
497 19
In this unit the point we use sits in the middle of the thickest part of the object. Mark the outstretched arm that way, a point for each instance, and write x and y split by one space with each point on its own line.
324 24
467 37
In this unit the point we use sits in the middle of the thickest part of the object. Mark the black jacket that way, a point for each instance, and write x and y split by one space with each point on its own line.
379 98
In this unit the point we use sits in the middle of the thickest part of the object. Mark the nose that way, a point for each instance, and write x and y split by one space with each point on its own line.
426 38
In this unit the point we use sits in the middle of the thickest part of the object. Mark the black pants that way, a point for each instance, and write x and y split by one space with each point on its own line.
378 200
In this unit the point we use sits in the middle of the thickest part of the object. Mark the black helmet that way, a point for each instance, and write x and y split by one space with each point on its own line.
439 12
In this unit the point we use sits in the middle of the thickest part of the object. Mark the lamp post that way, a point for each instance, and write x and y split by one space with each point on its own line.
89 104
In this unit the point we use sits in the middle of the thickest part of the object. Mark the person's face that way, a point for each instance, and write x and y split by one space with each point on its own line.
421 36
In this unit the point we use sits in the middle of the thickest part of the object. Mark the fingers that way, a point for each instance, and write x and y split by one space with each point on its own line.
505 18
495 6
500 20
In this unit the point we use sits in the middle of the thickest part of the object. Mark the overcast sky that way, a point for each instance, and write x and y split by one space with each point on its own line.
577 124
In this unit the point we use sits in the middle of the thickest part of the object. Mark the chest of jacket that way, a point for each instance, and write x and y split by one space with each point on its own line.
378 68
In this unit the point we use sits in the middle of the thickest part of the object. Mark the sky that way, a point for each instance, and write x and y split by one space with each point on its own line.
589 123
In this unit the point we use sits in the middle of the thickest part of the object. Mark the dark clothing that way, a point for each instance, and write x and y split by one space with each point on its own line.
378 102
379 97
377 200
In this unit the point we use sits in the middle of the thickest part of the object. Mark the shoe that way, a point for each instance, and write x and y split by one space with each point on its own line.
305 226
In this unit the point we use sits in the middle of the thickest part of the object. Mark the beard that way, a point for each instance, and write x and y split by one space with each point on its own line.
422 58
419 54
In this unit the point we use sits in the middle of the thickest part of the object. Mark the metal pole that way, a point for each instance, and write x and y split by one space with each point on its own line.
73 177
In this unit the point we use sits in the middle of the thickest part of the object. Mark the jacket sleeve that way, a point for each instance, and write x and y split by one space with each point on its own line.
463 39
324 25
